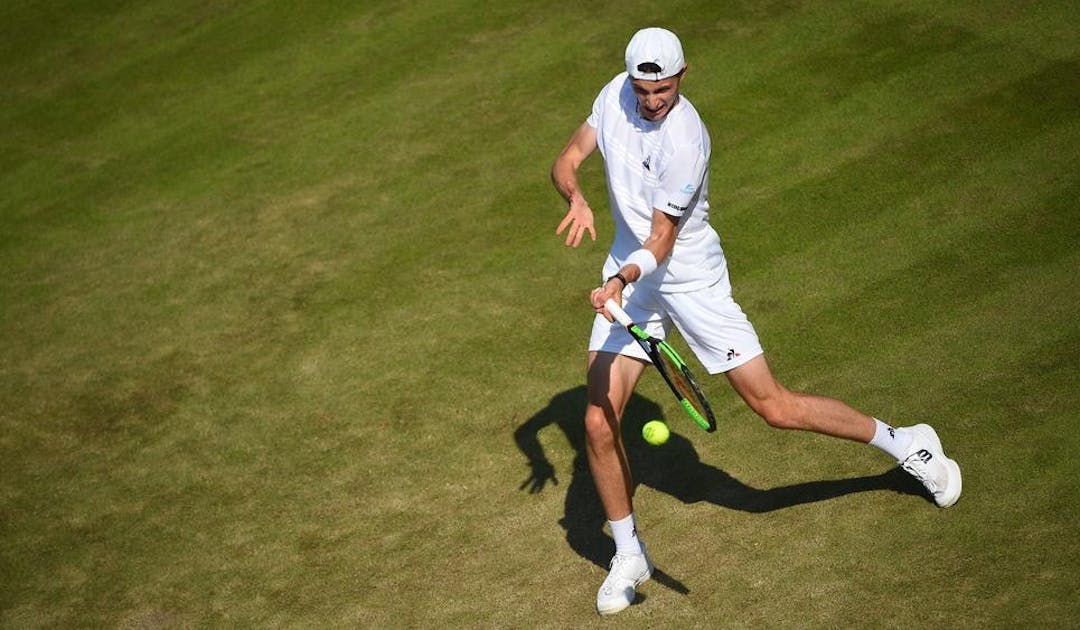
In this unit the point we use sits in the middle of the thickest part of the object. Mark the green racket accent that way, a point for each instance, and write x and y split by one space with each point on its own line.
663 345
671 354
701 422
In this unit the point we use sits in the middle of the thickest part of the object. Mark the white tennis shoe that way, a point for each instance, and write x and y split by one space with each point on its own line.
628 571
926 461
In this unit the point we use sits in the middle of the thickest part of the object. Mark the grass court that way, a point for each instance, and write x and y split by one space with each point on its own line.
285 329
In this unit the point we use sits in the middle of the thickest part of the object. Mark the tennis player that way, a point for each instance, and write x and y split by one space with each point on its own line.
666 267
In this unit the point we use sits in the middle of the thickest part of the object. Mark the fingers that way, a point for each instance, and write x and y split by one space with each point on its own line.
577 234
567 220
573 236
579 221
599 297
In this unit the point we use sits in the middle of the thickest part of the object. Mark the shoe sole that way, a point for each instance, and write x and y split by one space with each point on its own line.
954 480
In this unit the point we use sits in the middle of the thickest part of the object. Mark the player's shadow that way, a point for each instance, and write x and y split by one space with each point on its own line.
675 469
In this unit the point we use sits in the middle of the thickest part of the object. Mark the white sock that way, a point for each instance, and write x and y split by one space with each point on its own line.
625 533
895 442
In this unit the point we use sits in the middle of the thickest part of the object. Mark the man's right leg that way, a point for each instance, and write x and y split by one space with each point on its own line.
611 381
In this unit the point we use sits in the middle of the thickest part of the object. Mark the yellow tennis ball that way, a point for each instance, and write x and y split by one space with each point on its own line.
655 432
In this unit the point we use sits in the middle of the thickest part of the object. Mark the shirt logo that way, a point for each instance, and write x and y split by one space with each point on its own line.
689 189
645 163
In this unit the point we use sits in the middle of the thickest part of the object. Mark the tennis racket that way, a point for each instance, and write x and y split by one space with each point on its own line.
672 368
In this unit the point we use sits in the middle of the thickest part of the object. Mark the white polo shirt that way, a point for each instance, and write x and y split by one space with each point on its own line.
662 165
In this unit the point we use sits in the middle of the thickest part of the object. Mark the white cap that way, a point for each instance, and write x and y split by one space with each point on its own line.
654 54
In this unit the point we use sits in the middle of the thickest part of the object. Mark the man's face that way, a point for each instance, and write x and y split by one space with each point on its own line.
656 98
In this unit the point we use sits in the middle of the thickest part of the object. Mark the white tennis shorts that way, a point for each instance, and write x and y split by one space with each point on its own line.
711 322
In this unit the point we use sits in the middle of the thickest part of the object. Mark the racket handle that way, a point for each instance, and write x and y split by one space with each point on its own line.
616 311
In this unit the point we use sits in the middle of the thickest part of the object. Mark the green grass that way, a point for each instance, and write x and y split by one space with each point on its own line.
208 211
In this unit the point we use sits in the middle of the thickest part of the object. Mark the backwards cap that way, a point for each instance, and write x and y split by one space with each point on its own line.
654 54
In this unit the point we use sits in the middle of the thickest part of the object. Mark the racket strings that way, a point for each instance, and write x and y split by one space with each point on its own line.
686 388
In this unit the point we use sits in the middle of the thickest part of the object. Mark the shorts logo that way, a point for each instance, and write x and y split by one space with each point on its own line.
731 354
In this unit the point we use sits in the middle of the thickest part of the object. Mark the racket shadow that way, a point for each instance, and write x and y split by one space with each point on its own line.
675 469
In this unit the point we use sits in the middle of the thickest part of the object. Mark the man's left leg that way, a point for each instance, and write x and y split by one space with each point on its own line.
917 449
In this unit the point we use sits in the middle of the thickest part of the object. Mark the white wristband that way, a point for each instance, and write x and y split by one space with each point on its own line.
644 260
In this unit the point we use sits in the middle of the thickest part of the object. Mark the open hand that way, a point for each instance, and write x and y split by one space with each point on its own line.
579 218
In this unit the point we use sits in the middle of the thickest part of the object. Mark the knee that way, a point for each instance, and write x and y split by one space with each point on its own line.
780 412
601 431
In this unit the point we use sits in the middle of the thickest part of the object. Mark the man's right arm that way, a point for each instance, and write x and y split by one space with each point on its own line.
579 217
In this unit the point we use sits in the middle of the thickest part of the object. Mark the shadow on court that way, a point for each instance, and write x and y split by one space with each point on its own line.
675 469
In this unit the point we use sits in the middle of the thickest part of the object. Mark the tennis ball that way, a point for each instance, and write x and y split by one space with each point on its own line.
655 432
